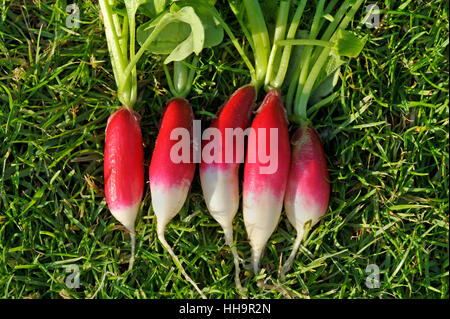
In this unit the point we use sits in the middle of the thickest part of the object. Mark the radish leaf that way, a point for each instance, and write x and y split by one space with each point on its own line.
162 44
182 34
188 28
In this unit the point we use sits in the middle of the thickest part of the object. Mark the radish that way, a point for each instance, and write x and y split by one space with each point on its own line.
123 167
124 156
263 193
170 180
220 178
171 174
308 188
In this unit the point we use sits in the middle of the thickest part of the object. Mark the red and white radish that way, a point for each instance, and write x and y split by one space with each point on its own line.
308 188
220 177
124 156
124 168
264 185
170 179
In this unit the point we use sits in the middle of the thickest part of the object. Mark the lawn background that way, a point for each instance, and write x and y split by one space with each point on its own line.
386 139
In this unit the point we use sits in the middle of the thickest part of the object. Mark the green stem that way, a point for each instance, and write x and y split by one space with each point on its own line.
244 28
326 44
323 102
132 64
169 80
307 55
332 27
123 38
190 78
260 38
291 91
302 98
284 61
133 93
328 10
280 30
180 76
118 61
111 36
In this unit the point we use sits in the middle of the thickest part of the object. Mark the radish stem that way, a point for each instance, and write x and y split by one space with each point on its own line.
260 38
133 246
228 231
242 24
326 44
280 30
306 55
284 62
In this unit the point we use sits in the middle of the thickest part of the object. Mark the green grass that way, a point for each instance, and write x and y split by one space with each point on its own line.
386 138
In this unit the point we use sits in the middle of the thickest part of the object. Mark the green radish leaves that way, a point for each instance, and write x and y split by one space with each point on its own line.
193 42
184 29
213 29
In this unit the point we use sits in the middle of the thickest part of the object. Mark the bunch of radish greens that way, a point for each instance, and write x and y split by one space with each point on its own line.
301 68
296 67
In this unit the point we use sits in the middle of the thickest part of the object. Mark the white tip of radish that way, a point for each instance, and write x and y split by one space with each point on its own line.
261 215
127 215
302 211
167 202
221 192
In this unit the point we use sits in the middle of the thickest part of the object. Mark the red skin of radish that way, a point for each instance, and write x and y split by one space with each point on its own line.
235 114
263 194
170 181
308 189
271 114
124 166
163 171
